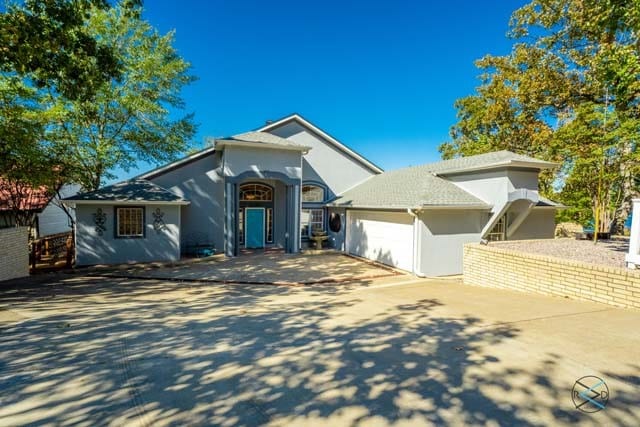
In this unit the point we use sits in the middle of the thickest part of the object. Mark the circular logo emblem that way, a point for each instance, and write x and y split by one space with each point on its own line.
590 394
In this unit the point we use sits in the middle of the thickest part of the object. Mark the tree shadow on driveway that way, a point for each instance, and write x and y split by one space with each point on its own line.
115 352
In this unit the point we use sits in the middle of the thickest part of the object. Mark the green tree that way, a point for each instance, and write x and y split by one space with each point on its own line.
48 41
27 161
568 92
132 118
46 53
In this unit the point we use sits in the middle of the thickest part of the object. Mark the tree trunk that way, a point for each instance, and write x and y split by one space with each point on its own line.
628 190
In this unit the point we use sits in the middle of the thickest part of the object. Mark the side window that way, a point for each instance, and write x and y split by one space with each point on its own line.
130 222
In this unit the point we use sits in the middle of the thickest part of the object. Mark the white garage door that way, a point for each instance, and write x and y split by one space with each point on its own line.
386 237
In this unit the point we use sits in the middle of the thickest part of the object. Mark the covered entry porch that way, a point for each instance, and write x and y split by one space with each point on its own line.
262 184
262 211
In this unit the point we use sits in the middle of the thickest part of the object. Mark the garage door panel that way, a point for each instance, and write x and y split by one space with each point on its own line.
386 237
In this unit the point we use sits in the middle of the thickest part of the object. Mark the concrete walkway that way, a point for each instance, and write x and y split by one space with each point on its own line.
393 351
260 267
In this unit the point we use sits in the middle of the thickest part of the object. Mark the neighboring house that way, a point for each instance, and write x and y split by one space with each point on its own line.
53 219
49 217
274 186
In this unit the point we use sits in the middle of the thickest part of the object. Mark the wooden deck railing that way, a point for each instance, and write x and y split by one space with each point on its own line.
51 250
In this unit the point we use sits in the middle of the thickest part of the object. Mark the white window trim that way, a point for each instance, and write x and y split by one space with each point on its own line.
308 234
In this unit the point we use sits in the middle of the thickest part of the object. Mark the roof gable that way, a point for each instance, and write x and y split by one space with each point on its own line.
324 135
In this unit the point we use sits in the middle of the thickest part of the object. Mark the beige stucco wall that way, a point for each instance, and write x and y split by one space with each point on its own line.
14 253
507 269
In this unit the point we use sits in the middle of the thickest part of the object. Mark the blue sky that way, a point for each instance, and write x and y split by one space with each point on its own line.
381 77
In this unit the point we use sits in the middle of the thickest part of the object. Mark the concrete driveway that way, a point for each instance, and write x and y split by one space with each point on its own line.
392 351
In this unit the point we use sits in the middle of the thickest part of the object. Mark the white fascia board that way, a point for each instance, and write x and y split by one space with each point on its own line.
414 208
481 207
371 208
221 144
550 207
510 163
123 202
324 135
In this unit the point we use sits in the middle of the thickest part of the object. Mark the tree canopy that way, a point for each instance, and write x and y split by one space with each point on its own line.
133 118
86 87
568 92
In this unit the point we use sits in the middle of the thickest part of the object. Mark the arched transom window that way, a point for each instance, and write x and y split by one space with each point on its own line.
256 193
312 193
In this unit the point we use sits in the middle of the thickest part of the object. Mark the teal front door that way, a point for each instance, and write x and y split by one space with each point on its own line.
254 227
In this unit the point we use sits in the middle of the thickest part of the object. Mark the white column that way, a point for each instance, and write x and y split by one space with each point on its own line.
633 257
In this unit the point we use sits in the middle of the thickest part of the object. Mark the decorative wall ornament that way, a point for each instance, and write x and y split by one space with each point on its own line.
158 222
100 219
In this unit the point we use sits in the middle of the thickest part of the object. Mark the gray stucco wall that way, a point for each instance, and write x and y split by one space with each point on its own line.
337 239
325 163
238 160
539 224
522 179
200 182
442 237
494 187
91 248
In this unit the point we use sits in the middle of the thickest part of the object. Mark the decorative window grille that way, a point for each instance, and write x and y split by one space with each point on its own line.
256 193
130 222
312 193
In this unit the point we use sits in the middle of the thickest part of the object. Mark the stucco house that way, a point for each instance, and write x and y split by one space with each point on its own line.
274 186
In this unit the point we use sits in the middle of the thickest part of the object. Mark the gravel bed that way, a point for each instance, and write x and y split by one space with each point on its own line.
605 252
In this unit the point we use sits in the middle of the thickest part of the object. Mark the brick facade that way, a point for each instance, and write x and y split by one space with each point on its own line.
14 253
508 269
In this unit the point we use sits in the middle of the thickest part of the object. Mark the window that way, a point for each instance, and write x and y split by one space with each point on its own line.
498 231
241 225
256 193
312 193
311 220
130 222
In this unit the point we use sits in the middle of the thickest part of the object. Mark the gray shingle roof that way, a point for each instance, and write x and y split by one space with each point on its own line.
261 138
487 160
407 188
419 186
135 190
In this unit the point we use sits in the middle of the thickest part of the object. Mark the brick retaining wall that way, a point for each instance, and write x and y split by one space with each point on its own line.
14 253
507 269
